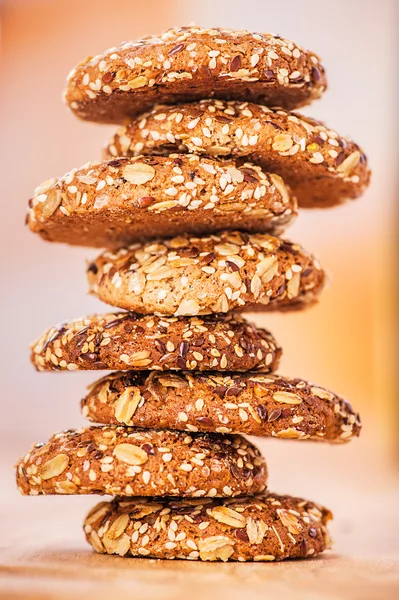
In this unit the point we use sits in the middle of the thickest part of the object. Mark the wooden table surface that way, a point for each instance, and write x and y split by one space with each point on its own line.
43 554
74 572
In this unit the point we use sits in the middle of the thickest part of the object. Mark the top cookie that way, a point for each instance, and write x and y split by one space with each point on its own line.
322 167
190 63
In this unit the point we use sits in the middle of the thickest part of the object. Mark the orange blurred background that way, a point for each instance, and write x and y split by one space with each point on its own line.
346 343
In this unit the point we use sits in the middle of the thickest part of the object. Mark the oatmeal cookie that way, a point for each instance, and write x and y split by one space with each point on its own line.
322 167
215 274
250 403
142 462
189 63
126 341
266 527
118 202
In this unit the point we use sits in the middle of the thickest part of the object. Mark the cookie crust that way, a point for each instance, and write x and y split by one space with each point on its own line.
144 462
266 527
126 341
250 403
119 202
322 167
189 63
216 274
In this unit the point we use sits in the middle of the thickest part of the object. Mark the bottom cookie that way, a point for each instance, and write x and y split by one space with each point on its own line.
265 527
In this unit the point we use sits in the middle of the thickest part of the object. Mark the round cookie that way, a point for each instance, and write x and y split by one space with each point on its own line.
216 274
116 203
322 167
266 527
125 341
190 63
144 462
250 403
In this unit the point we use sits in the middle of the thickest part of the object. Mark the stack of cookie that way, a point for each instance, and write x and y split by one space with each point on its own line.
188 202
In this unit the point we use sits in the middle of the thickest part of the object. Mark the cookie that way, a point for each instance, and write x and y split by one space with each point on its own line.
116 203
199 276
144 462
266 527
190 63
250 403
322 167
125 341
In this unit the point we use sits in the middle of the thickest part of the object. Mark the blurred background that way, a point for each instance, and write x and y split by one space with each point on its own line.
346 343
